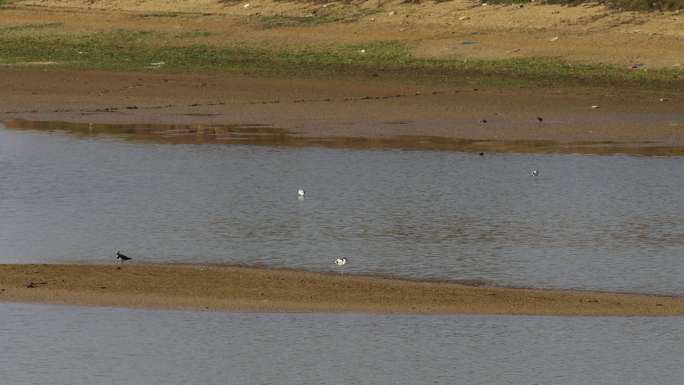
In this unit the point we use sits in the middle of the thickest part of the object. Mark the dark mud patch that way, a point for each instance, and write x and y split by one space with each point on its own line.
262 134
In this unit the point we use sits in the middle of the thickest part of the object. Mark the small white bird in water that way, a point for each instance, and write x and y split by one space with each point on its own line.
341 261
534 172
301 193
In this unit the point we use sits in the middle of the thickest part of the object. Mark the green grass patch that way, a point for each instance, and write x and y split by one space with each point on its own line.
138 50
192 34
30 27
171 14
279 21
147 15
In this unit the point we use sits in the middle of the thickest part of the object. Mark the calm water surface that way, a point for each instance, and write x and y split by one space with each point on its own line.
81 346
601 222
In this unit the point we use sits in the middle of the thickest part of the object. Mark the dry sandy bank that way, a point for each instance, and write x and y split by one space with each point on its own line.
223 288
589 33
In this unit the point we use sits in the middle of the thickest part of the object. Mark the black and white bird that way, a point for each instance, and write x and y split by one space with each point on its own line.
121 257
341 261
301 193
534 172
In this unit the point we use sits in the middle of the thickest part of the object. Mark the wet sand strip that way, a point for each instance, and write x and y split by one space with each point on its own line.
259 134
230 288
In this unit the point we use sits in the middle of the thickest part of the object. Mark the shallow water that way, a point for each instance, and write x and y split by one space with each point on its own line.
71 345
600 222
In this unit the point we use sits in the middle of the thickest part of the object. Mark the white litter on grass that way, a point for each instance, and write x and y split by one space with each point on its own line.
31 63
156 65
595 106
245 6
553 38
463 18
362 51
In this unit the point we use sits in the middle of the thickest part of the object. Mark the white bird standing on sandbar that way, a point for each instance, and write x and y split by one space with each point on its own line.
534 172
341 261
301 193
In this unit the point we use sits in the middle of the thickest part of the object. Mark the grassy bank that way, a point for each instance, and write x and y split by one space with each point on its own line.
126 50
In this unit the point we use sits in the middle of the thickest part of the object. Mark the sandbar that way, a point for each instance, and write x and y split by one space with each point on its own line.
256 289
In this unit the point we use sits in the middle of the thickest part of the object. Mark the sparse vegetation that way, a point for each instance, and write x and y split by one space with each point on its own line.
138 50
626 5
159 14
192 34
29 27
278 21
646 5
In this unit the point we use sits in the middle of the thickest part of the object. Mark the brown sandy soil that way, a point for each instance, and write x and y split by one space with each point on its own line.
588 33
224 288
408 115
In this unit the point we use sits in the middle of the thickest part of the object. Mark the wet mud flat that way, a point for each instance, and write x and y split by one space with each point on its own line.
267 135
342 113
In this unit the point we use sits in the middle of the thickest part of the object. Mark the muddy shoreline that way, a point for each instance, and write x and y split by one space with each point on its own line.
352 113
226 288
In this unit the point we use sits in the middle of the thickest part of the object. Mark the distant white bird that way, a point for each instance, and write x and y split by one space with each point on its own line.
301 193
534 172
341 261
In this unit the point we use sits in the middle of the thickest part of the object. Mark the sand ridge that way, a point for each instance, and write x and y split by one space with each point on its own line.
231 288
